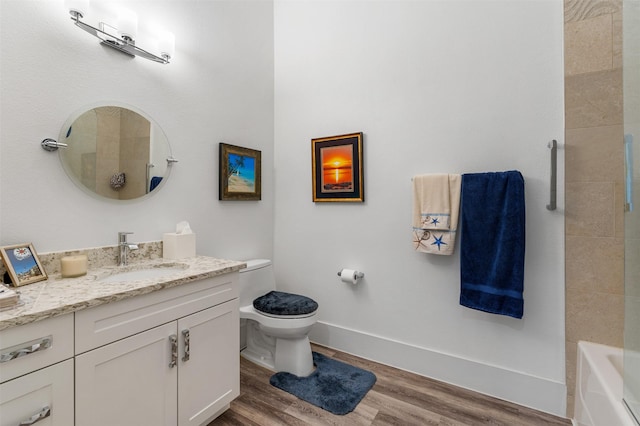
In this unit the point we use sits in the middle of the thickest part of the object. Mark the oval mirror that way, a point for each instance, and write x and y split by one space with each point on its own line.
115 152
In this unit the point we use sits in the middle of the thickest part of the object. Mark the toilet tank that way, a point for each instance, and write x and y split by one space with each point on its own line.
255 280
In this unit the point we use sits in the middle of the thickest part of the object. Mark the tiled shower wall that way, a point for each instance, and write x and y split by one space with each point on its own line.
594 178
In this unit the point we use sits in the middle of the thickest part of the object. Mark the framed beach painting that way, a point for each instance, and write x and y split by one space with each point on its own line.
240 173
337 168
22 264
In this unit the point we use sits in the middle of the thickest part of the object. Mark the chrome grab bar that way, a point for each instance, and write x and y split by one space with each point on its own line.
553 145
628 172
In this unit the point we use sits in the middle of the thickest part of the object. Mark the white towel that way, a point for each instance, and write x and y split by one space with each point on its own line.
436 206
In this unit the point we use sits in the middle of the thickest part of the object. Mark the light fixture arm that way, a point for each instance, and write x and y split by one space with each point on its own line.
125 44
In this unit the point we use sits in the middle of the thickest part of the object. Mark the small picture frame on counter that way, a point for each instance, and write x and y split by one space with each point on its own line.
22 264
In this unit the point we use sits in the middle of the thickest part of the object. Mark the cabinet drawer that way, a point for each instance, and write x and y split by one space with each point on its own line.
113 321
47 393
36 345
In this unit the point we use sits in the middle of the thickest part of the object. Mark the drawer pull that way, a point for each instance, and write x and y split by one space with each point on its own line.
43 414
174 350
27 349
185 334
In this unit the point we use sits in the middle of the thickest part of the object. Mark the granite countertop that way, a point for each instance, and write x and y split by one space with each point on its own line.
59 296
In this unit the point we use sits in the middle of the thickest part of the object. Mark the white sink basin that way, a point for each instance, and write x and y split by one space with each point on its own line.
146 273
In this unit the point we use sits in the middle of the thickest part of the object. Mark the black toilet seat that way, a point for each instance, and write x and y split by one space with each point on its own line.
280 303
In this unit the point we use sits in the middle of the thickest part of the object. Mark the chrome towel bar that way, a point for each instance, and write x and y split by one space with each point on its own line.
628 172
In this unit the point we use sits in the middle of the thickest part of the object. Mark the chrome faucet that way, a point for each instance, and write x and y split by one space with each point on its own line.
124 247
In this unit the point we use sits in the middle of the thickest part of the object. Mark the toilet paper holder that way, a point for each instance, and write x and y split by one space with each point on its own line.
358 274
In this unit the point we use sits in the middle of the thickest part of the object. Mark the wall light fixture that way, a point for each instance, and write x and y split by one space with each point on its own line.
123 37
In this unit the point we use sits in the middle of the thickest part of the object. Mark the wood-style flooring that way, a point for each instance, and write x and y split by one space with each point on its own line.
397 398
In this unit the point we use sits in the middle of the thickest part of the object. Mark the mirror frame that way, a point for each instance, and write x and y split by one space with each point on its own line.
76 180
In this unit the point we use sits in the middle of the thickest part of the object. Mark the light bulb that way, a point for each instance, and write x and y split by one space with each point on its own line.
77 8
128 25
167 44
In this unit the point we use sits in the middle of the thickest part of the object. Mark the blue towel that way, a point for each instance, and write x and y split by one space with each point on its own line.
492 242
155 181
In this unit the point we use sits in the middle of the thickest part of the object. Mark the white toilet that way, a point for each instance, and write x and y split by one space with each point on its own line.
274 326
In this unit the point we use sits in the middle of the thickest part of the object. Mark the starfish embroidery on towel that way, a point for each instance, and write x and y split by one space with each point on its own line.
438 241
419 237
435 221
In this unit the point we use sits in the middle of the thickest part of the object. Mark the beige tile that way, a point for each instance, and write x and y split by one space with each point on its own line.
617 40
632 219
594 154
619 205
593 100
571 404
571 351
596 317
594 265
588 45
577 280
577 10
632 310
141 148
632 270
589 209
108 146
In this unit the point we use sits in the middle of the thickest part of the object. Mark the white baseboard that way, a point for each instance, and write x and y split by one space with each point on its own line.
521 388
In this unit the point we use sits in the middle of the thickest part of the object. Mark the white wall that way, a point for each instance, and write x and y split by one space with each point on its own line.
436 86
218 88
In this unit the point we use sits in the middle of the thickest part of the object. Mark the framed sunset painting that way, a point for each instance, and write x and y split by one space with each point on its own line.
337 168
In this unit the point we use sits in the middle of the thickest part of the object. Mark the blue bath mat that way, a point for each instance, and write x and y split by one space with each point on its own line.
334 386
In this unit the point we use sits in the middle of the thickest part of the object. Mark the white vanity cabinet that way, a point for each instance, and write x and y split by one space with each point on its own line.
209 378
36 373
165 358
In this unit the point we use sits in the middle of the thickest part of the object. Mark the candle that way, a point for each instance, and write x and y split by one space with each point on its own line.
73 266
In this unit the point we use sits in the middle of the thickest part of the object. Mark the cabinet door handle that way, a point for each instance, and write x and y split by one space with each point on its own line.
173 339
185 334
43 414
28 348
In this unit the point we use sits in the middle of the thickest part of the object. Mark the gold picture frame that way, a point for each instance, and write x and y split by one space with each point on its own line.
22 264
240 173
337 168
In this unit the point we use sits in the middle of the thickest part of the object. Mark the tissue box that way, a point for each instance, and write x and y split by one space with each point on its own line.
178 246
